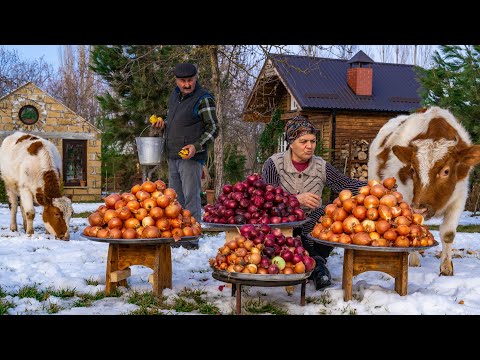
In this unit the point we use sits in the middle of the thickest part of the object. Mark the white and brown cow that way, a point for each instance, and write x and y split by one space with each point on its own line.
31 168
430 154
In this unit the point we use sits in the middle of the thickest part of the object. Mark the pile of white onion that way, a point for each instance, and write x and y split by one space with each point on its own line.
377 216
149 210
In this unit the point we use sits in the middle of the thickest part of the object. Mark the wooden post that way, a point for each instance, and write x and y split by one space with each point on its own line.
347 279
239 300
162 271
112 265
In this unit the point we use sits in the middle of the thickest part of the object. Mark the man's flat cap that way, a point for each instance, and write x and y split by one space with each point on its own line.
185 70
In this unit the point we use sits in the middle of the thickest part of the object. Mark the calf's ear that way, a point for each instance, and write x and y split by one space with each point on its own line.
470 156
403 153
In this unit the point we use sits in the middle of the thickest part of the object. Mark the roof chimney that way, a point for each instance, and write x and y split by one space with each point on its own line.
360 74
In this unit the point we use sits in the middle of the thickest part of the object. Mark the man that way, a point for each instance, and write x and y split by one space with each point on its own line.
191 124
299 171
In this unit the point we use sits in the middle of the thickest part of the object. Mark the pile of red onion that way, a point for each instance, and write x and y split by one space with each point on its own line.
259 249
252 201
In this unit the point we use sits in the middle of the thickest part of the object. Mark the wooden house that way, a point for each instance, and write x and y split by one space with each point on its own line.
347 100
32 110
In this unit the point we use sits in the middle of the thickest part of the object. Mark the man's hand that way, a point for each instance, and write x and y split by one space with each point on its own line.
309 200
157 121
191 151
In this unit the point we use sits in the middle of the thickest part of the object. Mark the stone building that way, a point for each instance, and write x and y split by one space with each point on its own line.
32 110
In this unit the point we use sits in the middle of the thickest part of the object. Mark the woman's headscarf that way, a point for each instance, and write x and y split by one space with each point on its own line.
296 127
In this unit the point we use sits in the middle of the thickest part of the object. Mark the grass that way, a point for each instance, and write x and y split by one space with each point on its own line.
86 300
2 293
460 228
5 305
32 292
53 308
90 281
324 299
84 214
62 293
262 307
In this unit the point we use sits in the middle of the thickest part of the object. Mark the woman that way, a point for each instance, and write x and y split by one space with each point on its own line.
300 172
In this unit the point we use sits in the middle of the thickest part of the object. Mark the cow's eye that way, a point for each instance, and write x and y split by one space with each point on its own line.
412 170
445 172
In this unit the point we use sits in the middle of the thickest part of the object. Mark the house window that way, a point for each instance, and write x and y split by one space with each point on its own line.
293 103
74 162
28 114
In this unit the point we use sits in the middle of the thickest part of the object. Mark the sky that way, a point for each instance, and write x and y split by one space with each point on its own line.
45 262
30 52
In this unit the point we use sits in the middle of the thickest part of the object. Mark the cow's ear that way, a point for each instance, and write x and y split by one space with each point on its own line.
470 156
403 153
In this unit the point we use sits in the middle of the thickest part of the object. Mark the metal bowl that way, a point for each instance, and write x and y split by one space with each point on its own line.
233 226
263 277
371 248
141 241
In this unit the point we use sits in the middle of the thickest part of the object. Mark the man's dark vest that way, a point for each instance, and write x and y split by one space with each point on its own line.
183 125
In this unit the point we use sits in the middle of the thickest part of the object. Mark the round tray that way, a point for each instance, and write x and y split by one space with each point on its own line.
263 277
141 241
371 248
233 226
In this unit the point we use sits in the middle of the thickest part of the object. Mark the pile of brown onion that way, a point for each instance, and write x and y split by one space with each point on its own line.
149 210
377 216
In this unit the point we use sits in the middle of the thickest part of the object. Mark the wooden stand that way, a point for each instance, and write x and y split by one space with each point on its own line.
237 287
155 256
358 261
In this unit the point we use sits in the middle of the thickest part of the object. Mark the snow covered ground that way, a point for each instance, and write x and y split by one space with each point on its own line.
44 262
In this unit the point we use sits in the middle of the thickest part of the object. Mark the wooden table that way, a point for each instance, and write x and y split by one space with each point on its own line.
239 279
152 253
358 259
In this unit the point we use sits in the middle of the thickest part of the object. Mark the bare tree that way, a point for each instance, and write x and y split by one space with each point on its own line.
77 84
15 71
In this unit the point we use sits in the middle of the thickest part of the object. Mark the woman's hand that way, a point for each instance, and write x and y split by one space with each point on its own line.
309 200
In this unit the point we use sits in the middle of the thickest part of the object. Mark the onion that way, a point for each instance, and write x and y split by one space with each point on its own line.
175 223
390 234
160 185
129 234
361 238
149 186
142 195
384 212
326 221
389 183
156 212
368 225
371 201
344 195
132 223
360 212
349 223
388 200
170 192
124 213
166 234
136 188
151 232
401 241
339 214
364 190
378 191
418 219
148 221
374 235
403 230
299 267
96 219
372 213
402 220
396 211
149 203
360 198
102 208
337 227
381 226
94 230
173 210
111 199
344 239
349 204
133 205
119 204
337 202
398 196
373 182
358 228
103 233
109 214
126 197
329 209
115 223
141 213
115 233
177 233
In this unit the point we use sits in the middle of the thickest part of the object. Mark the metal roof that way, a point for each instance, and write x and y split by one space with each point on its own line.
321 83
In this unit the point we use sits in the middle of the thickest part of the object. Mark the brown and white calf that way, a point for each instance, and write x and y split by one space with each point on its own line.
431 155
31 168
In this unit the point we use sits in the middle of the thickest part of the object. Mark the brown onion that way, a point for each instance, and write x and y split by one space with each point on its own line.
372 213
418 219
156 212
109 214
163 201
374 235
374 182
149 186
102 208
142 195
96 219
124 213
337 227
175 223
371 201
378 191
349 223
136 188
111 199
115 223
103 233
119 204
360 198
361 238
160 185
364 190
390 234
389 183
384 212
163 224
396 211
344 195
129 234
349 204
149 203
381 226
360 212
358 228
170 192
329 209
151 232
337 202
398 196
141 213
368 225
402 220
403 230
148 221
166 234
133 205
132 223
115 233
128 197
401 241
339 214
326 221
388 200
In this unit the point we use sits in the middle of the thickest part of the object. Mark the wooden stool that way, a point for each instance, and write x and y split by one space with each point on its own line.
358 261
157 257
237 286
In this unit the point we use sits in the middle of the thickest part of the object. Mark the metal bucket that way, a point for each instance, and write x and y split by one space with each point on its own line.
150 149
